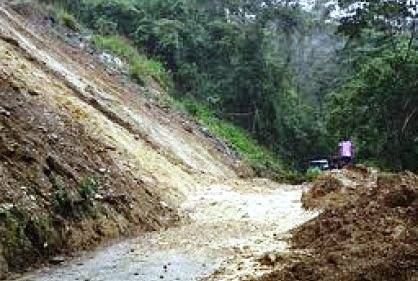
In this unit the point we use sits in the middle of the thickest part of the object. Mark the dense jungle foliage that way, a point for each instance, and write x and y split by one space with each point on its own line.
297 80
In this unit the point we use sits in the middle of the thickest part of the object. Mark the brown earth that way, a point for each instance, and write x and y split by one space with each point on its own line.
60 188
370 234
86 155
337 187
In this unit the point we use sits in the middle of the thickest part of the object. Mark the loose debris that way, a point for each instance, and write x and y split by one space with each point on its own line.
53 197
85 156
334 188
371 233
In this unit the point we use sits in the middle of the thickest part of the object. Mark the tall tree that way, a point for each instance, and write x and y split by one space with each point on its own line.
379 104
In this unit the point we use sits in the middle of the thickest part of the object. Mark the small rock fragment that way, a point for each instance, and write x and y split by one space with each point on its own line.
57 260
5 112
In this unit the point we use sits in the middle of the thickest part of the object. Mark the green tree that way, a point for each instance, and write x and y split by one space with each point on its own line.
378 104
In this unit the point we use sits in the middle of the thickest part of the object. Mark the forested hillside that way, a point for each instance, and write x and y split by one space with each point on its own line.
298 80
199 128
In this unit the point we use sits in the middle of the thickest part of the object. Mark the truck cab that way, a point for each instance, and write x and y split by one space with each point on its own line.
321 164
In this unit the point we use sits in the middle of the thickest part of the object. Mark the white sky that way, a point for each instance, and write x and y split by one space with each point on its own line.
338 13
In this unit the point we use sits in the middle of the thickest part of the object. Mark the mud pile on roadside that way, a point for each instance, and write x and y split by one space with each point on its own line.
372 236
334 188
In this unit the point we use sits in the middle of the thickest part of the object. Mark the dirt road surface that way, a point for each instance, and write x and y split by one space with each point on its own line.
232 224
232 221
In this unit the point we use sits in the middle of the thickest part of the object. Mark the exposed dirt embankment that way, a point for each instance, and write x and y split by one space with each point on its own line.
368 230
83 157
60 188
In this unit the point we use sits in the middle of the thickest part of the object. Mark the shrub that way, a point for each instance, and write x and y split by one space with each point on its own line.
87 188
141 68
291 176
68 20
26 237
63 202
313 173
116 45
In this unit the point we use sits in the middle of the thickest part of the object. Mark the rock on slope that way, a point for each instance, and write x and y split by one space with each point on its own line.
83 158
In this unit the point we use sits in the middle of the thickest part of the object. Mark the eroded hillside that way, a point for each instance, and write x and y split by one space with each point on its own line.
84 157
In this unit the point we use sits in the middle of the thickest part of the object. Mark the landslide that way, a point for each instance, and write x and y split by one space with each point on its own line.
369 233
61 190
84 155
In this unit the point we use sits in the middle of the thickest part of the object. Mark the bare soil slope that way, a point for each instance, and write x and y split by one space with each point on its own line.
83 156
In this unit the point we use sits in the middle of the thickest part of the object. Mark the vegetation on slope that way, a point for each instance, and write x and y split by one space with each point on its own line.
67 19
140 67
290 78
260 158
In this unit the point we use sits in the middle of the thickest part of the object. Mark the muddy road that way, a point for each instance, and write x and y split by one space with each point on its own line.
228 222
232 224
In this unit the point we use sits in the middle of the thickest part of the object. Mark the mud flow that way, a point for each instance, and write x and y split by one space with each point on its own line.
87 159
367 231
232 225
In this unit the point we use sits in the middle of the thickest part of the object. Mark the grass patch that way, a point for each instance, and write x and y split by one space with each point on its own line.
140 67
257 156
116 45
87 188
